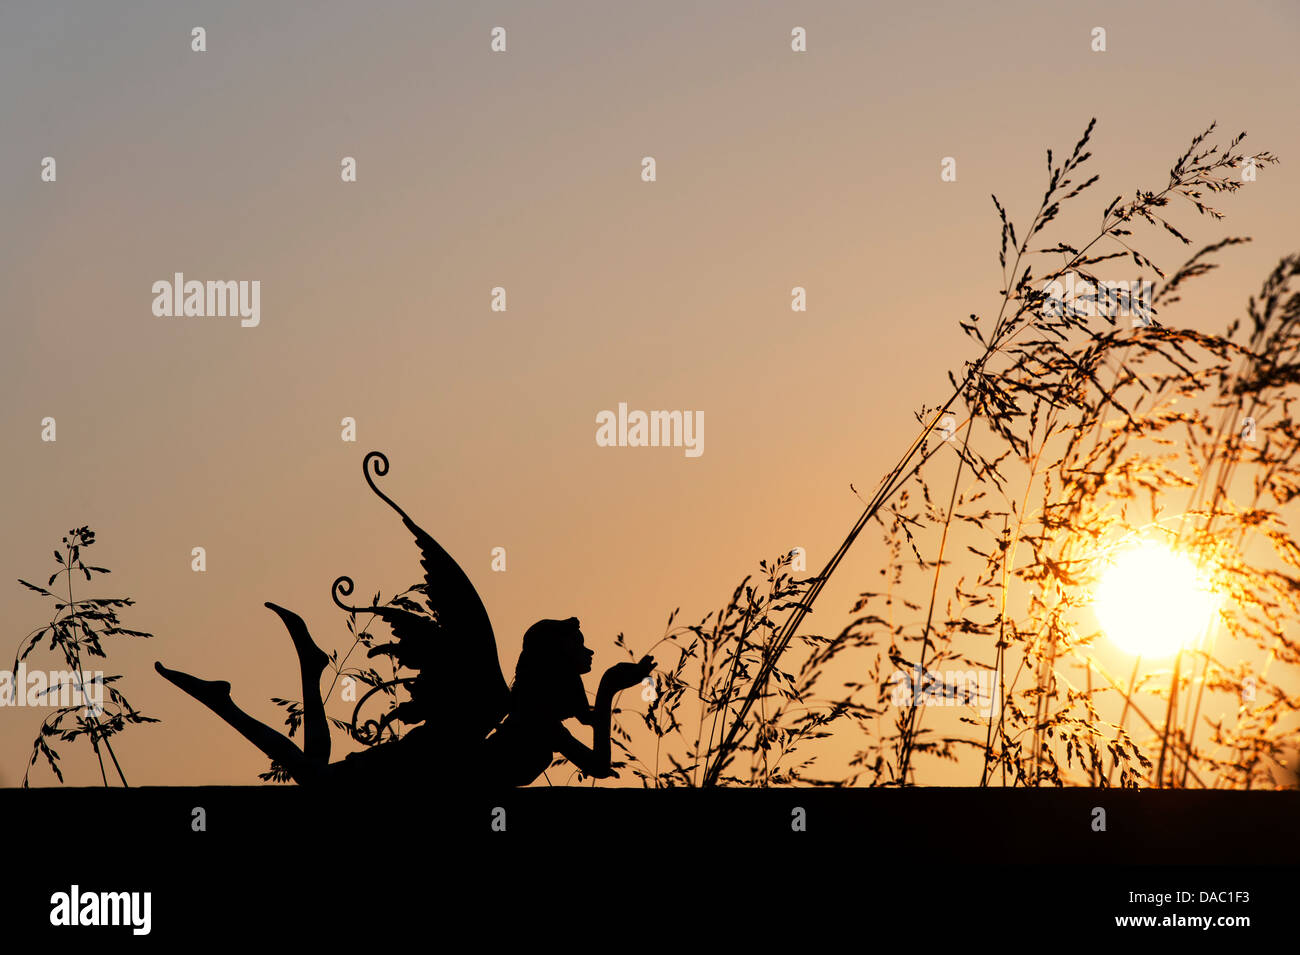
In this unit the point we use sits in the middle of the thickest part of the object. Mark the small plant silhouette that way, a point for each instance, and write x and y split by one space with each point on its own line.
93 706
692 705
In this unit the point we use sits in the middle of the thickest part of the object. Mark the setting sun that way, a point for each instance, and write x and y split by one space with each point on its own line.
1152 602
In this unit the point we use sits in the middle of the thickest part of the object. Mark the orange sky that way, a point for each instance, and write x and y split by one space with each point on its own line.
522 170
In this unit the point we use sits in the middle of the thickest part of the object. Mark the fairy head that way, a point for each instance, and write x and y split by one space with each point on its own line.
548 676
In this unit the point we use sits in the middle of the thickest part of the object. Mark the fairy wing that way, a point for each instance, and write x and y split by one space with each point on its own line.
470 692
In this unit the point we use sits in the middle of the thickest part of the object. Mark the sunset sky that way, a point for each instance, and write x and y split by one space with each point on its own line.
523 170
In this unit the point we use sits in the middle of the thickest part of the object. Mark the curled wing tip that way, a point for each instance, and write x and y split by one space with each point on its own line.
342 587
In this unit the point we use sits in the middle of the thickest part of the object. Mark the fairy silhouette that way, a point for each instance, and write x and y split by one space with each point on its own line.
465 720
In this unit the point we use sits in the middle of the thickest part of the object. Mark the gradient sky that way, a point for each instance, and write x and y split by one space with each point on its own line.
523 170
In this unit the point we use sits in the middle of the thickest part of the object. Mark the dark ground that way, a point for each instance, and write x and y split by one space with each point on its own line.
653 863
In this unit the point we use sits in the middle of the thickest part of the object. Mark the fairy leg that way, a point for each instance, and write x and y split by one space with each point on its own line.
215 695
312 661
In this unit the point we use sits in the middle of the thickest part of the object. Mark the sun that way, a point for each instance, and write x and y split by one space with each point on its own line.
1153 602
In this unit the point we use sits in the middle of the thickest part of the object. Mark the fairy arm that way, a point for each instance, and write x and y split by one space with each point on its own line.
595 761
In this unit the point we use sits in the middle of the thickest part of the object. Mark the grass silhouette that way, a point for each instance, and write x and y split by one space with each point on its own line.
77 631
1084 422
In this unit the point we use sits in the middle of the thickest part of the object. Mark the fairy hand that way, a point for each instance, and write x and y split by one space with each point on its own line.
622 676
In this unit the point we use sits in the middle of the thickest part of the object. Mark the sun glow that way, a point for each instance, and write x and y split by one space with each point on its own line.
1152 602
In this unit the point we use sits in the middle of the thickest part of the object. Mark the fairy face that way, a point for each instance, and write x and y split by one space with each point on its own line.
554 649
581 655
